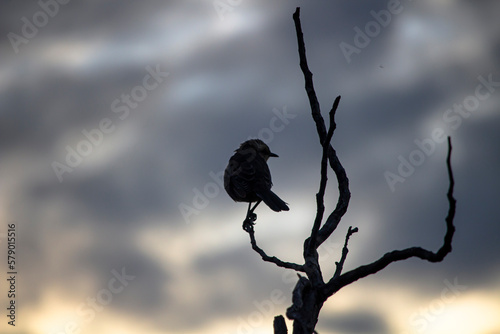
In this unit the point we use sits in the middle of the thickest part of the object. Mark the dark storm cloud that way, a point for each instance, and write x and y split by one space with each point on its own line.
108 247
412 218
221 90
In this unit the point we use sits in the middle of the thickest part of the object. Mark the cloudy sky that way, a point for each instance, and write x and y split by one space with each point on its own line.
117 119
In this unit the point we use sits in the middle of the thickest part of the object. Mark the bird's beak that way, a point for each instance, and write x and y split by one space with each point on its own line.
273 155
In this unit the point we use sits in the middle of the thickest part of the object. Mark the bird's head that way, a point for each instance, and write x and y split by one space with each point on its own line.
259 147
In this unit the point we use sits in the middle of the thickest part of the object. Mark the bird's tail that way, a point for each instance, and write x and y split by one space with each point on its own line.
273 201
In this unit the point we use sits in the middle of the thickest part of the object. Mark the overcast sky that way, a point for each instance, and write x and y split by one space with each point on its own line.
117 119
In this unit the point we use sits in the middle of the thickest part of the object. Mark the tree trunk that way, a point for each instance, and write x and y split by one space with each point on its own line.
307 303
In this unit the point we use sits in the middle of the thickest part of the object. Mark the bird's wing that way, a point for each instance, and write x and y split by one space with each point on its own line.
243 178
239 175
263 175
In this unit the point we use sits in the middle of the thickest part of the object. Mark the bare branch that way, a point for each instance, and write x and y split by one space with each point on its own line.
336 283
450 229
344 193
324 178
273 259
340 264
313 99
343 202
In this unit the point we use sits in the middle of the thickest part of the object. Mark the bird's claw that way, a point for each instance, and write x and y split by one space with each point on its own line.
248 225
249 222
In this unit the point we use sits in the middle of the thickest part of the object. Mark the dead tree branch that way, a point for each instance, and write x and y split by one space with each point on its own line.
336 283
343 182
311 292
324 178
273 259
340 264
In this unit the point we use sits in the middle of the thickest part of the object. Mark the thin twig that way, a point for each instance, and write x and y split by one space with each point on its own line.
345 250
324 178
450 229
273 259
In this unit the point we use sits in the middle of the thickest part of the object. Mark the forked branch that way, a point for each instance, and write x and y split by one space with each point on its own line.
343 182
320 202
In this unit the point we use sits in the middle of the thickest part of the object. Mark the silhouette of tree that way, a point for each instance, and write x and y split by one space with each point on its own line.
311 290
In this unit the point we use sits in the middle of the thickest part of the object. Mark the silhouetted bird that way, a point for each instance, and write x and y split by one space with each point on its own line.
247 177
